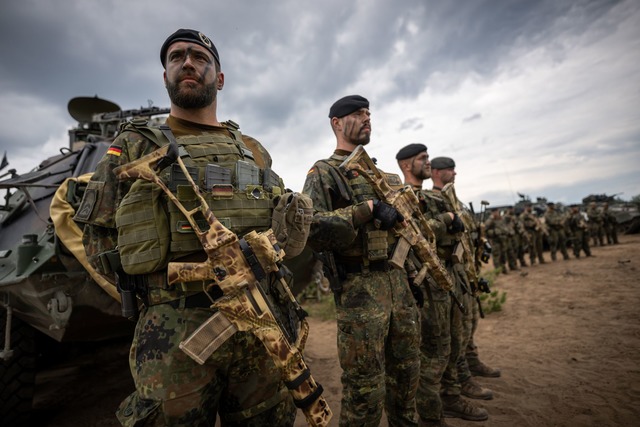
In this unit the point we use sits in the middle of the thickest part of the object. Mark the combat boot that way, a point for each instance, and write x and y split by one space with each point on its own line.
479 369
473 390
457 407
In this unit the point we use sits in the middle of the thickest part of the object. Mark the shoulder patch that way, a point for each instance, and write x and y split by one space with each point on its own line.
88 203
114 150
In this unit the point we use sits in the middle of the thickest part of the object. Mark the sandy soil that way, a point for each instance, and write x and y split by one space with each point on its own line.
567 341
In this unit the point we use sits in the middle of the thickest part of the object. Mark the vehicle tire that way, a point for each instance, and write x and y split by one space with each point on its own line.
18 374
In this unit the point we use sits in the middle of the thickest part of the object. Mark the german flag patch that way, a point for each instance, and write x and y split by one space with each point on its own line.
115 150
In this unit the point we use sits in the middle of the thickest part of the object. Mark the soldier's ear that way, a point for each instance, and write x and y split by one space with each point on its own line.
220 80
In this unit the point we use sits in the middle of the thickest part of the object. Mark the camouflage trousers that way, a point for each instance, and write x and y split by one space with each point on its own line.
499 252
239 382
470 357
435 348
460 333
558 241
535 246
597 233
378 348
581 242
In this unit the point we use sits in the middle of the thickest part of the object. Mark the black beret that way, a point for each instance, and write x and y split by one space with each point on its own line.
347 105
550 204
192 36
410 151
442 163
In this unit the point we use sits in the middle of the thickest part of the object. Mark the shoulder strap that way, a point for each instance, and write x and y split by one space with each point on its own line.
143 127
341 181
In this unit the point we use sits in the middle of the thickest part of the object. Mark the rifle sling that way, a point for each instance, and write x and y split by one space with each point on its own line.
252 260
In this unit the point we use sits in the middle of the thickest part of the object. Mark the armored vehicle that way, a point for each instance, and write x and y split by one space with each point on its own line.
49 295
626 214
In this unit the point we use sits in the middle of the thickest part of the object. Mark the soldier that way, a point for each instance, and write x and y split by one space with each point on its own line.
378 320
522 238
498 232
436 315
127 226
513 239
557 237
580 232
534 230
595 224
610 223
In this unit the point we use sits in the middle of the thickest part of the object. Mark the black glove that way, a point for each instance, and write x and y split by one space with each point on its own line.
417 293
385 215
457 226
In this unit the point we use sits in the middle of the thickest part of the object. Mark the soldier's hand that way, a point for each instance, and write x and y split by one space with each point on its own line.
457 226
385 216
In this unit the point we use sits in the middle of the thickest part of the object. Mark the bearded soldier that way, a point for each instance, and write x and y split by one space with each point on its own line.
133 230
378 329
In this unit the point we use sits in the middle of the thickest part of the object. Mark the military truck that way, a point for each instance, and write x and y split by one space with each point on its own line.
50 297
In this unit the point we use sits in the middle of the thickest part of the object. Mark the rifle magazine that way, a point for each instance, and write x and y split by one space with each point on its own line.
209 336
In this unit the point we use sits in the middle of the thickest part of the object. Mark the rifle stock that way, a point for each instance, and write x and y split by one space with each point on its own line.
237 266
410 235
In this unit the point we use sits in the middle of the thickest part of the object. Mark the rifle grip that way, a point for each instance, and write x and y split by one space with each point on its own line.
400 253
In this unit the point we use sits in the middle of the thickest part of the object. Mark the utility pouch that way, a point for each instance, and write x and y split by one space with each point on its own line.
291 222
376 245
143 229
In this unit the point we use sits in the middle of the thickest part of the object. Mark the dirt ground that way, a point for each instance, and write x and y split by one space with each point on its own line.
567 341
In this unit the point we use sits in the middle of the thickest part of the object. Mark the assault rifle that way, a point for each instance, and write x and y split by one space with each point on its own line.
236 266
410 236
469 256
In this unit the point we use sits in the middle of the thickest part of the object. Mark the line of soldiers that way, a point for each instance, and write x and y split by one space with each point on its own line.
512 235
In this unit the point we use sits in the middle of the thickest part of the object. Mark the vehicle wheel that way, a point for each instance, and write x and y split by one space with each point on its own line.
18 374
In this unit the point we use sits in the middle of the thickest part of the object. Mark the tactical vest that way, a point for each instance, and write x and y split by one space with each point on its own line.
371 244
151 229
435 205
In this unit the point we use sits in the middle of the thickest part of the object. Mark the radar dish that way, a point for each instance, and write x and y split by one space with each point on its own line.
82 108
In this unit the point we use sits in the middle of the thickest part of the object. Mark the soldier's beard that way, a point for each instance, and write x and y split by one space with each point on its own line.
192 98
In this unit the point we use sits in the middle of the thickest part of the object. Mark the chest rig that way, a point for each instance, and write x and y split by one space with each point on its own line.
371 244
151 229
434 205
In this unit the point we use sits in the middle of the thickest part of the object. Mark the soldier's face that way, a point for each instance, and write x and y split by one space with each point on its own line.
356 127
191 76
448 175
421 166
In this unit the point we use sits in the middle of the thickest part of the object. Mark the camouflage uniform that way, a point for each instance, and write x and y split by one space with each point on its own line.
610 225
240 381
498 232
595 224
557 236
435 346
513 241
449 402
378 320
580 232
533 228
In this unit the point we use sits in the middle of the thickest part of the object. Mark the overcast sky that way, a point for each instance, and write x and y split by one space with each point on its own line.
540 97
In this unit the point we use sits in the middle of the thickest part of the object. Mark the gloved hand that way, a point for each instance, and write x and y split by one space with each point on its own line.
457 226
385 215
417 293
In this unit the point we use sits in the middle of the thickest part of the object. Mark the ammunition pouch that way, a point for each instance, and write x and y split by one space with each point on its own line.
376 245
